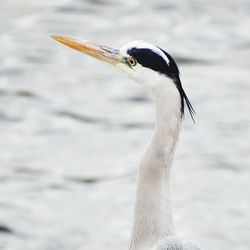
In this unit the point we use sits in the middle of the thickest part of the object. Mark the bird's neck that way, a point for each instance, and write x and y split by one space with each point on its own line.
153 215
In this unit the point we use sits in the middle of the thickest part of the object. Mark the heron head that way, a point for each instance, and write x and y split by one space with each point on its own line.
149 65
142 61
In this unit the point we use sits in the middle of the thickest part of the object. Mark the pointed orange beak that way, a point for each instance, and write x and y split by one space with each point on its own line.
101 52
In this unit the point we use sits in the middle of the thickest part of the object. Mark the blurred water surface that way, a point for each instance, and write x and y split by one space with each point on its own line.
73 129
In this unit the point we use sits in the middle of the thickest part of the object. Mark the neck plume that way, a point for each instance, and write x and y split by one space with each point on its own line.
153 219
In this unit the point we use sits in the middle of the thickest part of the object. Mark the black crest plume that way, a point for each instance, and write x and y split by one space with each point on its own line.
150 59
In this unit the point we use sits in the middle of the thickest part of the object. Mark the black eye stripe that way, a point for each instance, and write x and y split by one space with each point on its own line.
149 59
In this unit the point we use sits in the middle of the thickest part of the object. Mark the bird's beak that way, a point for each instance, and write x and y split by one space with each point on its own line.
101 52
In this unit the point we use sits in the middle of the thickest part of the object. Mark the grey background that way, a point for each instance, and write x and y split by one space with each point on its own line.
73 129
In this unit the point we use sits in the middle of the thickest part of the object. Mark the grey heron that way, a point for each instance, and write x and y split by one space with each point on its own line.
156 71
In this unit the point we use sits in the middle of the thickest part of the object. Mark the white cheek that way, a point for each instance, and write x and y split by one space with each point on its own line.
131 72
146 77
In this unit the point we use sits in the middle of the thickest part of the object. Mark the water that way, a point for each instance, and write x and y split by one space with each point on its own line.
73 129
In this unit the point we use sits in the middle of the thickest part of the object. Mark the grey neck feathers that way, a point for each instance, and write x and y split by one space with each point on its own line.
153 219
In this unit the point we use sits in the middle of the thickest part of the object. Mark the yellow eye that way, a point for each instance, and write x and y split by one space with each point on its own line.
132 61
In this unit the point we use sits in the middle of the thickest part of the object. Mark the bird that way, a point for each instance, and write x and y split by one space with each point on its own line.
157 72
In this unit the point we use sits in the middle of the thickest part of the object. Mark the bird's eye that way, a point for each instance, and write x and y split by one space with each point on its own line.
132 61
